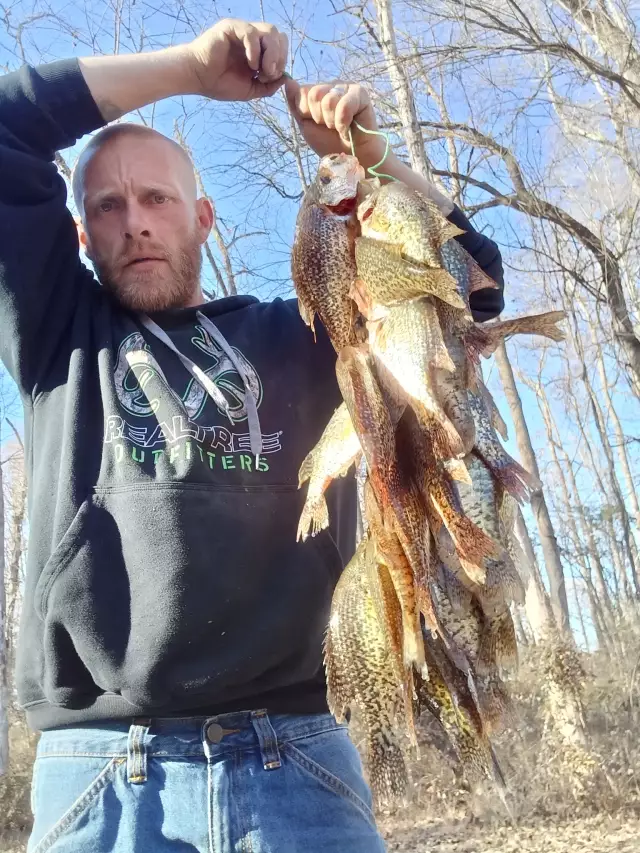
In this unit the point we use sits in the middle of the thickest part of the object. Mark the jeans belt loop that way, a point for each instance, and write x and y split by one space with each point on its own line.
267 739
137 752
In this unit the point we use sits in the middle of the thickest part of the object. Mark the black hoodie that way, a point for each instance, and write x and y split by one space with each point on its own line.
163 573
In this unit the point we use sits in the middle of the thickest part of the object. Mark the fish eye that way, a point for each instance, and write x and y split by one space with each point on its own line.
325 179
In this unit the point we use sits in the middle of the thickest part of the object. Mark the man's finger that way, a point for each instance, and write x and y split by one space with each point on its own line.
284 54
251 41
270 42
293 91
346 110
329 104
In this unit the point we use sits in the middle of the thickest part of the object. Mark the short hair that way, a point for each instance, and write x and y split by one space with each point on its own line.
104 136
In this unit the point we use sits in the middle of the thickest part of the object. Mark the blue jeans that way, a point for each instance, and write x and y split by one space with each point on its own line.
237 783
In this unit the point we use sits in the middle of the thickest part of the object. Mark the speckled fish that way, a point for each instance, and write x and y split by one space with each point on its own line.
472 544
398 496
323 257
451 389
448 696
465 625
361 673
391 554
407 346
398 254
337 450
507 472
503 585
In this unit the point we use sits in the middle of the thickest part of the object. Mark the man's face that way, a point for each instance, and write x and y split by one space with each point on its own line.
143 225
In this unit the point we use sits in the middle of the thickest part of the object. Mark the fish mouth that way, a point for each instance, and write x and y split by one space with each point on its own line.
344 207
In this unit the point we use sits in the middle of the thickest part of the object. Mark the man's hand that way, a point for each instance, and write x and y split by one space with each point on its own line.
238 61
324 114
231 61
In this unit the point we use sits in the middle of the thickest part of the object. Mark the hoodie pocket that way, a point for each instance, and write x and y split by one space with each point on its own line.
171 593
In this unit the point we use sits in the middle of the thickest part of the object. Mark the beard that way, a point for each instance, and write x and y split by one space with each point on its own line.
171 284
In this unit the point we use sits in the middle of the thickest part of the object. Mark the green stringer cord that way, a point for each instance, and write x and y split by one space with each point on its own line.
374 169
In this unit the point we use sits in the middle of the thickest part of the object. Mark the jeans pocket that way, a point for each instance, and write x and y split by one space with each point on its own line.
333 760
64 789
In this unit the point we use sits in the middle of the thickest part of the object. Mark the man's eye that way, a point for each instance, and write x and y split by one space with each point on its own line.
159 198
106 206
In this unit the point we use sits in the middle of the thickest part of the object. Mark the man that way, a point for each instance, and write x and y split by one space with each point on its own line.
171 638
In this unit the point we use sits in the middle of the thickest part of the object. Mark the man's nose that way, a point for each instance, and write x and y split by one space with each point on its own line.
136 224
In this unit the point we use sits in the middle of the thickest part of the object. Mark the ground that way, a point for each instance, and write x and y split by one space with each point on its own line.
600 834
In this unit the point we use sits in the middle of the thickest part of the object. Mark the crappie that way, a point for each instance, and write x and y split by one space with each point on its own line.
449 697
503 585
361 672
391 554
416 449
332 457
398 253
398 496
323 260
407 344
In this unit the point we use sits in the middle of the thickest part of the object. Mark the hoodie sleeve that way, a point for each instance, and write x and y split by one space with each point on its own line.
42 110
485 304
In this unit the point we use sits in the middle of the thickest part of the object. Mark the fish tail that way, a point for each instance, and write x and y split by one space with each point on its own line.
512 476
496 706
337 700
498 646
412 644
472 543
447 232
314 518
545 325
387 767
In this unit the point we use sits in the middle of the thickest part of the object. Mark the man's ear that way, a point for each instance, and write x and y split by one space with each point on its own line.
204 217
82 237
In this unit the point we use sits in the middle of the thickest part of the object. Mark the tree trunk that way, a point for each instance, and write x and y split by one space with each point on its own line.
550 550
4 674
405 101
616 491
587 533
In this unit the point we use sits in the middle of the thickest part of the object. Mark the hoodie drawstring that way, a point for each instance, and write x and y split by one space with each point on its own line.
251 405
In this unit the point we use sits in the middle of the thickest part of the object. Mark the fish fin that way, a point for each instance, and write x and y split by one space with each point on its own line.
478 278
314 518
306 469
388 774
458 471
497 421
445 438
308 316
359 294
476 340
498 646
